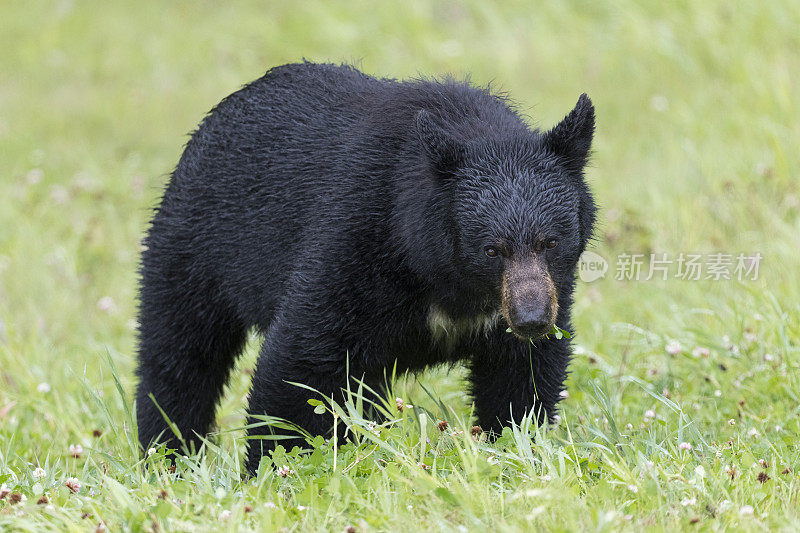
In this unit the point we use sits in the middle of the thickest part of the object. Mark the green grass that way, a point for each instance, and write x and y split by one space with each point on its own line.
696 151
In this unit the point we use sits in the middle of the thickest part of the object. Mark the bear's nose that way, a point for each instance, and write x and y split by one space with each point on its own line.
531 322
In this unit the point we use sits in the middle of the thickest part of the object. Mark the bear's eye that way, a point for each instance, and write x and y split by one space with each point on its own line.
550 243
491 251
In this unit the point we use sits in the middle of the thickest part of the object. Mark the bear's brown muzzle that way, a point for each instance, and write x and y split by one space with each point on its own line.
529 299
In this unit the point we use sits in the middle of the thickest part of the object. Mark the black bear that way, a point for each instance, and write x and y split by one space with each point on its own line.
361 224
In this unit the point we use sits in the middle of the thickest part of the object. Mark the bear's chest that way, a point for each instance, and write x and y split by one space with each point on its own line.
449 330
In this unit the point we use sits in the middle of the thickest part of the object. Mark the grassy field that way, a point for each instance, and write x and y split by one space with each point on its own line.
684 394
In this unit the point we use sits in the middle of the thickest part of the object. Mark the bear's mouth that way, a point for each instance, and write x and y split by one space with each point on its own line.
531 333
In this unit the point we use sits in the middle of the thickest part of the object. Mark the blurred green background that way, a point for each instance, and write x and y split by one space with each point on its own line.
697 126
697 150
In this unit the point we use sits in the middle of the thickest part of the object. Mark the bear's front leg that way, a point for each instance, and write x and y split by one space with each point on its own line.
275 395
512 377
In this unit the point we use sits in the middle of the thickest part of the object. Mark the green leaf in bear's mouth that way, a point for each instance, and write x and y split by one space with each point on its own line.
560 333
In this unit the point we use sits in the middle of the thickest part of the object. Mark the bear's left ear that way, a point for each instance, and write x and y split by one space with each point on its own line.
571 138
443 151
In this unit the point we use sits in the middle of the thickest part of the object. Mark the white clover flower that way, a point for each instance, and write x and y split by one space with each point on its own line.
731 422
700 351
673 347
746 510
688 502
659 103
151 451
73 484
718 393
754 432
269 505
285 471
39 473
649 414
75 450
43 387
34 176
224 515
684 446
633 488
769 357
59 194
750 337
106 304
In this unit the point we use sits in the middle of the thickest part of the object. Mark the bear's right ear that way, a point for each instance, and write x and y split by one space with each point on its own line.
571 138
443 151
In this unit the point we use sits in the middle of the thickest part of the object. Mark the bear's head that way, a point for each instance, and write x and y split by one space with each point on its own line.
518 210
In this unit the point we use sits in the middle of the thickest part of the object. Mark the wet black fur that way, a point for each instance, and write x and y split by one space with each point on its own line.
330 210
